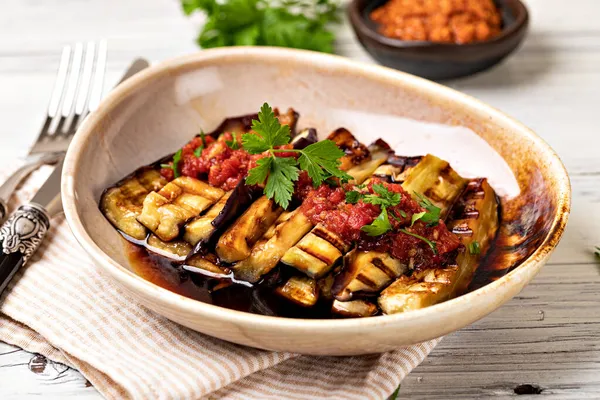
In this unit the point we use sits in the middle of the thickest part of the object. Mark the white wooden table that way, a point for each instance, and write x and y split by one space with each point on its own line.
548 336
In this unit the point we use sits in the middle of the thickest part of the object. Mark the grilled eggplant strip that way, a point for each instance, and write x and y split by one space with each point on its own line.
122 204
475 219
266 254
371 271
301 290
366 272
356 153
176 249
317 252
237 241
422 289
354 308
436 180
206 265
164 212
477 212
201 228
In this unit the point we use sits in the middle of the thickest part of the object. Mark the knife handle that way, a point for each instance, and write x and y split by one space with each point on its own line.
20 237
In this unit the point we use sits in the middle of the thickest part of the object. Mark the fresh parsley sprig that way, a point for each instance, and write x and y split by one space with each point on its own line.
320 160
304 24
432 214
474 247
233 143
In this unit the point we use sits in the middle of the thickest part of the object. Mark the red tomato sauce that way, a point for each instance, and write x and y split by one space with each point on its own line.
327 206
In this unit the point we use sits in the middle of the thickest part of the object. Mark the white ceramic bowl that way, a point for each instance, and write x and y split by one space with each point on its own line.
161 108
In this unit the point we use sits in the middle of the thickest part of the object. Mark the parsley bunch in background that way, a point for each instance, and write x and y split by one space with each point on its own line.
302 24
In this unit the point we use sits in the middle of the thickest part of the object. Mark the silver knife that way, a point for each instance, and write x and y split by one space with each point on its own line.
24 231
22 234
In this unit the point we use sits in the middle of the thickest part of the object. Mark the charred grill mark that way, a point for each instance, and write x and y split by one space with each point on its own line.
378 262
316 254
366 280
330 237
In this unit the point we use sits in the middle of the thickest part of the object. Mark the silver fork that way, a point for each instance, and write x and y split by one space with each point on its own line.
77 91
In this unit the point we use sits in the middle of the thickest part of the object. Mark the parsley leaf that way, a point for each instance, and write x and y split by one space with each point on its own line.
429 242
352 197
402 214
258 174
474 247
304 24
597 252
386 198
198 151
233 143
394 395
280 184
321 161
432 215
379 226
416 217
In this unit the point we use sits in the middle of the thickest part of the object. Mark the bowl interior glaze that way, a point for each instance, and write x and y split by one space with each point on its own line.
158 110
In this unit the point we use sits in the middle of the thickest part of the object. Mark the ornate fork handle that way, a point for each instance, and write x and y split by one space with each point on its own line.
32 163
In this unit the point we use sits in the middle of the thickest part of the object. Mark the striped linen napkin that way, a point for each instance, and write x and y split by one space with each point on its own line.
63 307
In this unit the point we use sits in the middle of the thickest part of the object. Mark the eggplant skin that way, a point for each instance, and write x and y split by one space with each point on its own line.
366 272
121 204
354 308
355 152
237 241
301 290
204 231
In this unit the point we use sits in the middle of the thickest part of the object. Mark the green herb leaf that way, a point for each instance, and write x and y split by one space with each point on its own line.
416 217
597 252
322 160
198 151
379 226
280 182
402 213
429 242
175 164
302 24
233 144
385 197
432 216
474 247
352 197
258 174
269 133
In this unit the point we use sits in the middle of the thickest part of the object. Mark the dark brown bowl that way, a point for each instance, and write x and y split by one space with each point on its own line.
439 61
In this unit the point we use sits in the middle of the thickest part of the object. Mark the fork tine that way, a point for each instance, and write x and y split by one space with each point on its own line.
73 83
98 82
86 77
59 84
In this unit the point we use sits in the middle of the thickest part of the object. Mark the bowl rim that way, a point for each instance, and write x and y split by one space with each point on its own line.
357 20
530 266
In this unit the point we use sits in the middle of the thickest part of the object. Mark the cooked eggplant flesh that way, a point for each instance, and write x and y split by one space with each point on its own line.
354 308
436 180
422 289
366 272
242 238
266 254
475 220
237 241
166 211
122 203
301 290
